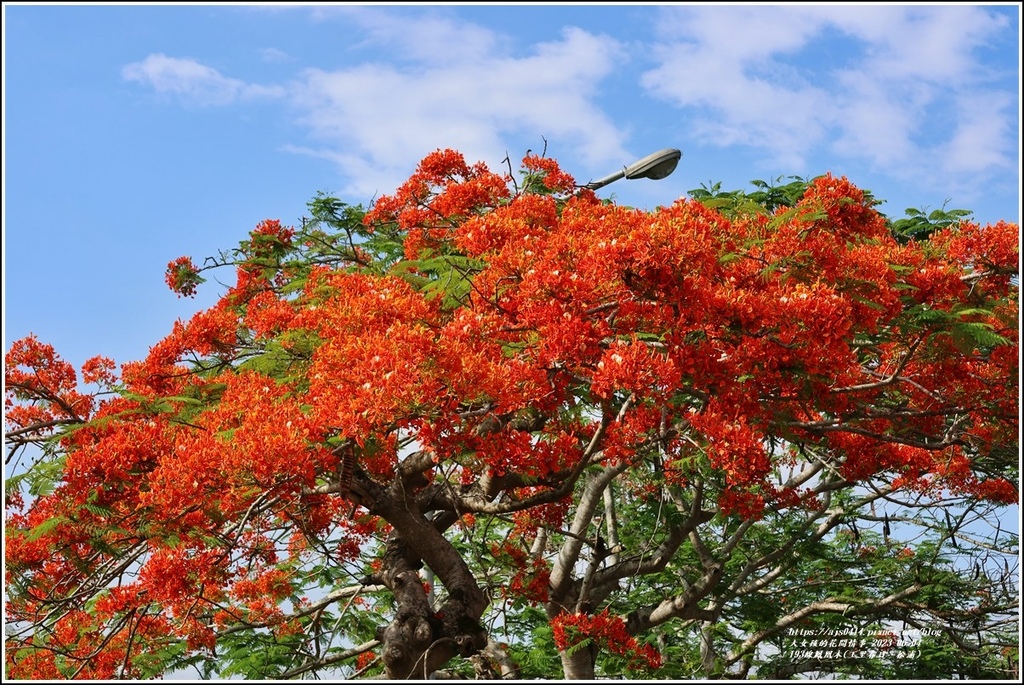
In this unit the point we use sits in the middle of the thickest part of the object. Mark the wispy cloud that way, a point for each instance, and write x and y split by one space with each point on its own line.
716 64
870 85
275 56
978 142
469 105
428 37
194 83
894 88
444 84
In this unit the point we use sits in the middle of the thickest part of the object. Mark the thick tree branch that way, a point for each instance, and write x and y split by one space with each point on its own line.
826 606
656 562
568 554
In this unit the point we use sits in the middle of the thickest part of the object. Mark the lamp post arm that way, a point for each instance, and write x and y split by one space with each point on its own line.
654 166
594 185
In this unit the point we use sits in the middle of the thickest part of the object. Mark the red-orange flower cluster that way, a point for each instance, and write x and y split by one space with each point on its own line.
183 276
609 632
680 345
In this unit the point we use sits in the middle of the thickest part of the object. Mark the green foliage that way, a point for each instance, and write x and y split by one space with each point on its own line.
771 196
532 644
917 225
335 233
967 335
39 479
447 276
46 527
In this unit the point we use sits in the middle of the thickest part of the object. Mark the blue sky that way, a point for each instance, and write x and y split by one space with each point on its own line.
134 135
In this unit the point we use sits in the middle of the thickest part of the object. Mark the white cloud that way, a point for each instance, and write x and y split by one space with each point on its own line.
716 61
192 82
425 38
978 141
444 84
275 56
386 117
894 80
930 43
871 121
879 85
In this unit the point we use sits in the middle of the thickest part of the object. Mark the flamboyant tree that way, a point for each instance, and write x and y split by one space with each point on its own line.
503 428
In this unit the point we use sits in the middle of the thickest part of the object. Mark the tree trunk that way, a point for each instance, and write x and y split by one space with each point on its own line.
420 640
580 664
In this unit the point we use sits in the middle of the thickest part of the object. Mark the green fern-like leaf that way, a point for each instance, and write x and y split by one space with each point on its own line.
969 336
585 642
46 527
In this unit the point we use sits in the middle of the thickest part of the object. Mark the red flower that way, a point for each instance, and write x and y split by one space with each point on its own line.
183 276
609 632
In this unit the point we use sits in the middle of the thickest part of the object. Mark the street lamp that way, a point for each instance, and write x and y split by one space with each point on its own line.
654 166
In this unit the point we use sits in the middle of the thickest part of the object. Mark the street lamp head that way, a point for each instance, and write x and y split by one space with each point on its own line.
654 166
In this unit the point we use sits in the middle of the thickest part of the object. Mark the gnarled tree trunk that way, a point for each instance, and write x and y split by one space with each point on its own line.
420 640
